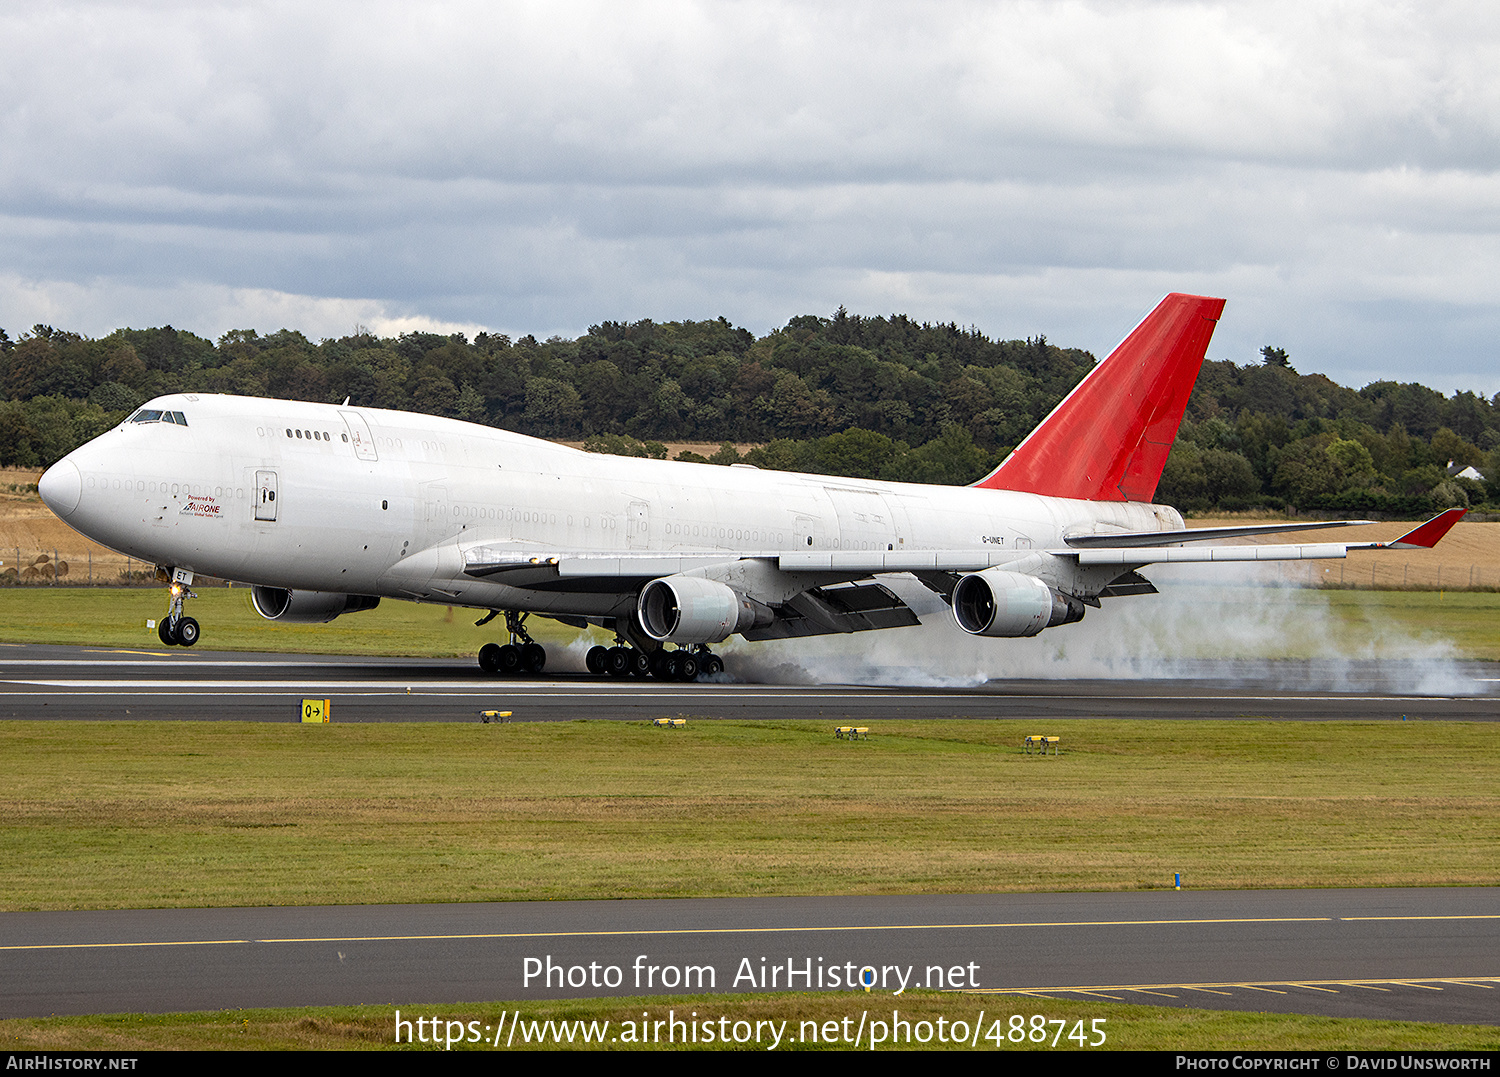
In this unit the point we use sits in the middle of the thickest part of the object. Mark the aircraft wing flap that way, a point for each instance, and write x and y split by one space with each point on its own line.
1130 583
654 565
1117 539
512 564
1155 555
897 561
490 560
839 608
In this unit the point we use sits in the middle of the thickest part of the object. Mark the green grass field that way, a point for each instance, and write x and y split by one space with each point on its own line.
1125 1027
146 814
116 617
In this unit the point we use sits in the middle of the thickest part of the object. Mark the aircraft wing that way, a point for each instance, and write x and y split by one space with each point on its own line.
807 603
818 592
1093 539
1424 536
530 567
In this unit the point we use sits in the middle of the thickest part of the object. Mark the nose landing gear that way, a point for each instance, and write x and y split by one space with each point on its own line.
175 629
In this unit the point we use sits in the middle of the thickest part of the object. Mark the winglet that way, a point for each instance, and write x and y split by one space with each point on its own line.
1426 536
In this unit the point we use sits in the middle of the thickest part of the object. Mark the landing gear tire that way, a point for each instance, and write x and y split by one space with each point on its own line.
712 665
165 634
510 659
597 660
686 666
661 664
621 661
187 631
640 663
533 657
489 658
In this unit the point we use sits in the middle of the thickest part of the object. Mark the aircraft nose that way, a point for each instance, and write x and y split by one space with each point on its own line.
61 487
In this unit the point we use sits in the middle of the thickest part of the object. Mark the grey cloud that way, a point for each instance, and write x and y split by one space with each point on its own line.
1024 167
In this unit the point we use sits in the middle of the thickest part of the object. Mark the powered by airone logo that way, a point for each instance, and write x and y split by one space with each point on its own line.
201 505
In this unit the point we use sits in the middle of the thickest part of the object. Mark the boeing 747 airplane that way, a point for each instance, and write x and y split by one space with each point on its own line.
327 509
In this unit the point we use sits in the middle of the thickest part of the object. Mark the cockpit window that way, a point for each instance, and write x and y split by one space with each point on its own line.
152 415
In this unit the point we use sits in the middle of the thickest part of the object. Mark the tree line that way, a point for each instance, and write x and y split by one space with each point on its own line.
872 397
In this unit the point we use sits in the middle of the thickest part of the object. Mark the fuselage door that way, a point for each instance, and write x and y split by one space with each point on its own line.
865 520
435 507
359 435
265 495
638 525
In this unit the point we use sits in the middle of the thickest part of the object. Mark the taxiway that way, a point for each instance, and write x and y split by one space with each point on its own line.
1411 954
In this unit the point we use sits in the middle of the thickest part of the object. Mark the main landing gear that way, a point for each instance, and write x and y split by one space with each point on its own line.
524 655
521 655
174 628
683 664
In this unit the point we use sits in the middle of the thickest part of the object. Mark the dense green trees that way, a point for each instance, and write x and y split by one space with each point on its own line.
848 395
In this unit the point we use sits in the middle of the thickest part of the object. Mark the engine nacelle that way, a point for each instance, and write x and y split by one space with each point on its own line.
306 607
996 602
688 609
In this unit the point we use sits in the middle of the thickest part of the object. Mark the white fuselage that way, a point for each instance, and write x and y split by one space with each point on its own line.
383 502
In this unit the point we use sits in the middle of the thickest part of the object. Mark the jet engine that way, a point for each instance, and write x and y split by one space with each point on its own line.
306 607
688 609
996 602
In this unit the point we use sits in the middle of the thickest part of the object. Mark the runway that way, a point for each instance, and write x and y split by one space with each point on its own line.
76 683
1400 954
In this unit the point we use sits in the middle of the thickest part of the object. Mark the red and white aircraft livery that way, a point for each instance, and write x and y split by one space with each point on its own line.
327 509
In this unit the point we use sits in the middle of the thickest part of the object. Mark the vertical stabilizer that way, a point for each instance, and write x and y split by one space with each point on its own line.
1109 438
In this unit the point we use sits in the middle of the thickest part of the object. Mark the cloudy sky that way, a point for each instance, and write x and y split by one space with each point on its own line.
1329 168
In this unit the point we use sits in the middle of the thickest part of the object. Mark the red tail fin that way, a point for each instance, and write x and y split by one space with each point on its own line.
1109 438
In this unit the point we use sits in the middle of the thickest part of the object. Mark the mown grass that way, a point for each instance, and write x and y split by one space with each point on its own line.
369 1028
128 815
116 617
1470 620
